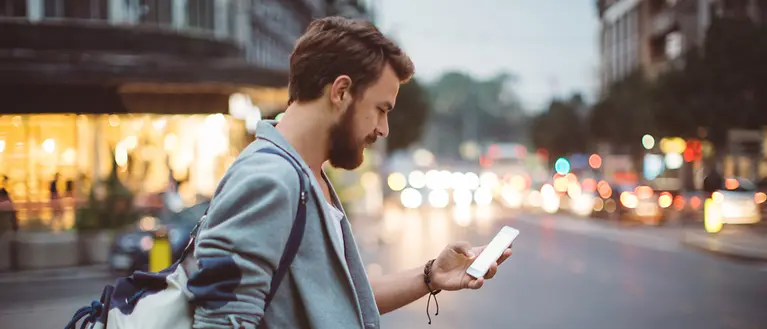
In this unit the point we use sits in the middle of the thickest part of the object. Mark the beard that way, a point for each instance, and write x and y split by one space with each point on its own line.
346 152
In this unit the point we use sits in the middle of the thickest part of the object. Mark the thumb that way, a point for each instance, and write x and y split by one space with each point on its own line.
463 248
475 284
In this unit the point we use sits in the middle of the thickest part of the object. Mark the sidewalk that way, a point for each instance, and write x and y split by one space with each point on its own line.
59 274
732 242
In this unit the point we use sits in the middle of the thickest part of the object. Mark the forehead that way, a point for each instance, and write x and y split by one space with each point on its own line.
385 89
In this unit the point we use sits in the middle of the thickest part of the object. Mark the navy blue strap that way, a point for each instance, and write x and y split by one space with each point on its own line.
296 232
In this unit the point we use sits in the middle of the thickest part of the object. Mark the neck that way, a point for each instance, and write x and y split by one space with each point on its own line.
305 128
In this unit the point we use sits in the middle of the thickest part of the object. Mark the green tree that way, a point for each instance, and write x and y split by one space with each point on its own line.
484 111
560 130
624 115
114 209
406 122
722 86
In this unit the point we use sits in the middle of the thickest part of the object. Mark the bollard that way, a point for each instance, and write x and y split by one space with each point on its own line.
160 255
712 219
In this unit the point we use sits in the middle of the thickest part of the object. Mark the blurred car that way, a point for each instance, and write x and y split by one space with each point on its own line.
761 197
438 189
631 202
738 202
130 250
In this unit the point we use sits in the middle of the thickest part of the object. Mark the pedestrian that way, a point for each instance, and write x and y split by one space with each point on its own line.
55 200
7 210
343 82
8 218
713 182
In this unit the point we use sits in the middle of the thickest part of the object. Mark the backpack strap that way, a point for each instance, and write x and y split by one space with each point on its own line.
296 231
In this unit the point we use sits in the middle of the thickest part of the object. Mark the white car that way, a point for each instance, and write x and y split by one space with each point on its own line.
736 202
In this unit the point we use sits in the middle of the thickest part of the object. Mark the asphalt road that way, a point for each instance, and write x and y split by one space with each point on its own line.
564 273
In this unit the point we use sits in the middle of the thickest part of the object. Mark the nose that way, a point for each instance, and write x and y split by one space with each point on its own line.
383 127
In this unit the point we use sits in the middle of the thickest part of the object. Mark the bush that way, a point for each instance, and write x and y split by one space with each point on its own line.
113 210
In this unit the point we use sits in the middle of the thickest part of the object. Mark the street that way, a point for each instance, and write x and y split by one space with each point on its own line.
564 273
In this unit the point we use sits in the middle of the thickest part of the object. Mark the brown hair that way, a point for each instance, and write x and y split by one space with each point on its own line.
335 46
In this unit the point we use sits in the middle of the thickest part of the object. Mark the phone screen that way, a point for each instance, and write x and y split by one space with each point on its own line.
493 251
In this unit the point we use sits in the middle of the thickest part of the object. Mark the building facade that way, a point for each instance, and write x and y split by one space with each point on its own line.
652 35
143 85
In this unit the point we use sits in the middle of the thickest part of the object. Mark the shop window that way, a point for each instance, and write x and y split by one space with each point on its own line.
156 12
13 8
70 152
38 155
200 14
674 45
193 149
232 10
82 9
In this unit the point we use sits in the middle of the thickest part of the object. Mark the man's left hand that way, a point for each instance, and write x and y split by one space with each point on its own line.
449 269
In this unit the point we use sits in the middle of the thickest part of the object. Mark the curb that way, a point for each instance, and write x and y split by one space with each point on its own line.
711 245
59 274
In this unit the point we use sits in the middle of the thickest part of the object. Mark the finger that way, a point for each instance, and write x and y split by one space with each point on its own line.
462 247
491 272
476 284
504 256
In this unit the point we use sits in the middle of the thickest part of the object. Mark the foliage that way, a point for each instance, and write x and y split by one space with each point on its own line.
112 210
625 115
466 109
560 130
722 86
406 122
712 90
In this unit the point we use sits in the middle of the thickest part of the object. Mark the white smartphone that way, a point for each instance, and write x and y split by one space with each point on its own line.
492 252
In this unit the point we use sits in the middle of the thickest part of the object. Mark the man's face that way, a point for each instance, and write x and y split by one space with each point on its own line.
363 122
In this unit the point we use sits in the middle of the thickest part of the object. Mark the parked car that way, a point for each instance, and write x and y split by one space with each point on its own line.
738 202
130 250
630 202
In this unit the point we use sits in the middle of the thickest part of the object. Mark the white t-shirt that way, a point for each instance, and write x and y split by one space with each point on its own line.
338 216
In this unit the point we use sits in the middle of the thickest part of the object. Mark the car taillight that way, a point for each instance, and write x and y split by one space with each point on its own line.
644 192
717 196
760 197
629 200
665 200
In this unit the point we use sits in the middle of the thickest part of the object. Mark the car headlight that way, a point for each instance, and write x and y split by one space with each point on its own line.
483 196
128 242
439 198
462 197
176 236
411 198
147 243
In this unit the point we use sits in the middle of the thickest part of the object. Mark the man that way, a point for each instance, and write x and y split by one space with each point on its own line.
344 80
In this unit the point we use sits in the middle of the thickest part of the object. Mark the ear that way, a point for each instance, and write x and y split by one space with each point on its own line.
340 92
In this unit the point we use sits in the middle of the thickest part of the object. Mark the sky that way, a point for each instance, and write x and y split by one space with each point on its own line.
550 46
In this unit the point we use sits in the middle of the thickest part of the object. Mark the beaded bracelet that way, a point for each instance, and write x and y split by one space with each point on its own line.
432 293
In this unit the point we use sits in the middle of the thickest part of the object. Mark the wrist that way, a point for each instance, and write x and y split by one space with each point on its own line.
428 281
428 278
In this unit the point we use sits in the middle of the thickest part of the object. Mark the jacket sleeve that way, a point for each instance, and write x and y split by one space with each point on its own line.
242 240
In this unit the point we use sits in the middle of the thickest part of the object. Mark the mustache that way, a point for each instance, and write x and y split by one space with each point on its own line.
371 139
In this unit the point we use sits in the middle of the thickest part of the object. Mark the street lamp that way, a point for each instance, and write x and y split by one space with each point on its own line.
648 142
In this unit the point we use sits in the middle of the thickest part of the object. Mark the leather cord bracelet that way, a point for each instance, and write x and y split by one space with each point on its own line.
432 292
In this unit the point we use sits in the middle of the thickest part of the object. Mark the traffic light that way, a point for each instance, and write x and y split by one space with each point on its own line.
562 166
693 151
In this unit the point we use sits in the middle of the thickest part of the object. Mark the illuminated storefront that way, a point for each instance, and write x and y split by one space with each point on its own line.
147 148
